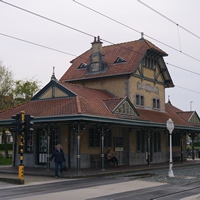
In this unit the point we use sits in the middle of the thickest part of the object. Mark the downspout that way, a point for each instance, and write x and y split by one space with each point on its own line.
69 147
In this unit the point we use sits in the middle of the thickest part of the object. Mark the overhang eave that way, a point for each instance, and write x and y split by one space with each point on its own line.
100 119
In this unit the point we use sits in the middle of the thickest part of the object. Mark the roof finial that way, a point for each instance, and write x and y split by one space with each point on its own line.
53 77
142 35
169 99
191 105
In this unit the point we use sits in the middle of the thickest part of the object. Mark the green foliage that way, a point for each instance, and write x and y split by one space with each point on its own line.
5 161
197 144
14 92
6 85
9 146
24 90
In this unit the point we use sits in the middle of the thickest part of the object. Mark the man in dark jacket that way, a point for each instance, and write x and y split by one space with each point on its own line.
59 159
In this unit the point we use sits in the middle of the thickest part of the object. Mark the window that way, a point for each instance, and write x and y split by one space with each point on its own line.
55 138
176 140
82 66
42 138
29 142
140 146
95 138
157 141
119 60
156 103
139 100
149 62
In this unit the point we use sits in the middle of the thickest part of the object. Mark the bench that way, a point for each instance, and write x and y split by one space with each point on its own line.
95 160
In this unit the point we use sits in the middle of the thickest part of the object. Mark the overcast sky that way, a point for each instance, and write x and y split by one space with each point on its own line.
181 43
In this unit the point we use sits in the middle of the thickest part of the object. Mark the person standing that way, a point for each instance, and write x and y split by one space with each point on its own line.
59 159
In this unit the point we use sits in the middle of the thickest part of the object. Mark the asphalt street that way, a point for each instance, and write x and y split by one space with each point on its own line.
104 188
144 183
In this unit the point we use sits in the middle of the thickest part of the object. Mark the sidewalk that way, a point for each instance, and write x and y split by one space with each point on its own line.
40 174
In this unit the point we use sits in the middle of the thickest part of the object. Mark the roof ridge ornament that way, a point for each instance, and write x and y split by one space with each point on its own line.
53 77
142 35
169 102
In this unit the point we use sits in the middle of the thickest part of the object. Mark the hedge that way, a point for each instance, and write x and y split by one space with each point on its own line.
9 146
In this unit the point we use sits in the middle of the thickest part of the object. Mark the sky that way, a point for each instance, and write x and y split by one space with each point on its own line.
172 25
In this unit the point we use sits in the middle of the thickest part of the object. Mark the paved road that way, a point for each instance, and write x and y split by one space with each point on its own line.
105 188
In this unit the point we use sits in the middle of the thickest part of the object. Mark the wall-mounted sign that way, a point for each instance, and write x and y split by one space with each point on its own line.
147 87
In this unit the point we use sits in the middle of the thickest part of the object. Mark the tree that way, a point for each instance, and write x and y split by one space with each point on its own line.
6 85
24 90
14 92
4 137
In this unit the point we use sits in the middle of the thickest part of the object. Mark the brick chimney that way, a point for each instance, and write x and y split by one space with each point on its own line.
96 50
97 64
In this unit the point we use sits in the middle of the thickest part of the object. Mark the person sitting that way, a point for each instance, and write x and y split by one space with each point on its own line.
111 157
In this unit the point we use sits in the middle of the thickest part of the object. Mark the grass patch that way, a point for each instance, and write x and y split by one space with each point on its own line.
5 161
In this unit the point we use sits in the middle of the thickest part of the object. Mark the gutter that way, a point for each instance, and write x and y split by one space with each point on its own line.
100 119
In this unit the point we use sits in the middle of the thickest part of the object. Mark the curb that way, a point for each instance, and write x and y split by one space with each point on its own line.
13 180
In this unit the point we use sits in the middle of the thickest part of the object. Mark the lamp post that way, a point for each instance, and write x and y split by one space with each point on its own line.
170 127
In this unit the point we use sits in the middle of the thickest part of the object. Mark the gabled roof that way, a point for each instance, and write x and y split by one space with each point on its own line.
53 89
190 116
95 105
132 52
82 101
121 106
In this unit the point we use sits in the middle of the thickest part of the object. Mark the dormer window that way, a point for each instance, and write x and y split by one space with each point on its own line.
82 66
119 60
149 62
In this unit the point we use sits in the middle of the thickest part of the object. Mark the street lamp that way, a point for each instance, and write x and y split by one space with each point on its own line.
170 127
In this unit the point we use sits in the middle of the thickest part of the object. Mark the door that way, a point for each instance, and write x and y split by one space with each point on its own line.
42 147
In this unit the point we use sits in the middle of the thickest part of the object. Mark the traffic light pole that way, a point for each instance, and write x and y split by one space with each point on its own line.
21 165
22 125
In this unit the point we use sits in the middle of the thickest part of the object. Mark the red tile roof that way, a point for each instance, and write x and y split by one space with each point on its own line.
91 102
186 115
88 101
132 52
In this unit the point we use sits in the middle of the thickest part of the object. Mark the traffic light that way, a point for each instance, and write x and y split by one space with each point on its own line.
22 123
28 124
15 124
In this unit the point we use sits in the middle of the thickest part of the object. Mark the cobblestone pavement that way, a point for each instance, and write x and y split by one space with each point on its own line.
182 175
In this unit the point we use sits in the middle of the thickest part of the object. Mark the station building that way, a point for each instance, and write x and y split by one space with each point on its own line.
111 97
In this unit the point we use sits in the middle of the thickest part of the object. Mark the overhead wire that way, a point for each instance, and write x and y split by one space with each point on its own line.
82 33
178 25
183 69
28 11
175 49
70 54
29 42
59 23
188 89
36 44
88 34
179 39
